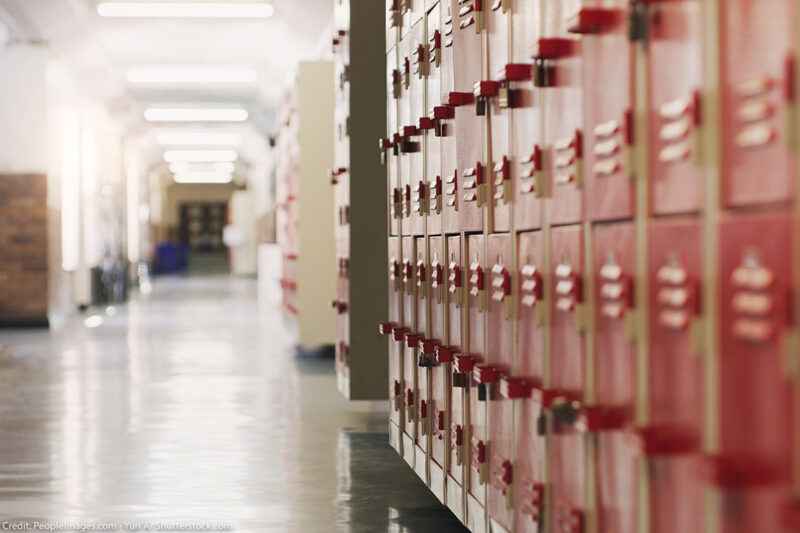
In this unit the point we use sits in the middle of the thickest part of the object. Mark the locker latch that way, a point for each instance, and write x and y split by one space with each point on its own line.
533 502
395 274
422 278
395 14
423 417
420 201
597 418
595 20
515 388
460 99
445 354
398 395
339 306
435 49
483 91
532 290
502 289
399 334
455 284
421 62
383 148
427 353
386 328
474 185
638 21
458 444
397 203
397 84
435 189
441 423
451 190
568 160
408 276
412 339
407 203
570 520
410 411
533 181
406 73
477 284
616 290
471 14
568 288
483 376
549 50
479 461
507 482
566 414
437 280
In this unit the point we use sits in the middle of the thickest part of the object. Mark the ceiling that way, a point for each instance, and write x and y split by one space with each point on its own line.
101 50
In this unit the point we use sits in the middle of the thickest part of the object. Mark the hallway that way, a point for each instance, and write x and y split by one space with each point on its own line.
187 405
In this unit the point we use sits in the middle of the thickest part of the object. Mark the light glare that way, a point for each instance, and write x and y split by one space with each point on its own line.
203 156
176 74
186 114
185 10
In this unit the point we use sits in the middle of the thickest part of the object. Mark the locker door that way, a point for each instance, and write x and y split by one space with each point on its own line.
444 115
415 65
499 362
675 77
614 378
566 447
527 139
488 90
528 469
389 147
607 108
671 440
470 175
756 83
754 464
557 71
456 298
424 412
434 204
392 329
476 345
440 372
411 339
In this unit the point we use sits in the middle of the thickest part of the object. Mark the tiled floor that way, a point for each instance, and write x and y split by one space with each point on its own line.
188 405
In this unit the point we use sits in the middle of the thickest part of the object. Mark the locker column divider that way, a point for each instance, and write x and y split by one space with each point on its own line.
641 327
586 327
424 208
793 355
711 160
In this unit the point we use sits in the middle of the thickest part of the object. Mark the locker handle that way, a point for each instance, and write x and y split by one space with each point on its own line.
485 374
412 339
341 307
667 440
556 48
386 328
515 388
459 99
444 354
411 131
399 334
604 418
444 112
486 89
465 363
426 124
516 72
594 20
428 346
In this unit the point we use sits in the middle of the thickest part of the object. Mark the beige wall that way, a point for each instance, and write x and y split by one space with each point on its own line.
178 194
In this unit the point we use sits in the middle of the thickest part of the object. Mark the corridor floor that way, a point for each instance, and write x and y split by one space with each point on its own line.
188 406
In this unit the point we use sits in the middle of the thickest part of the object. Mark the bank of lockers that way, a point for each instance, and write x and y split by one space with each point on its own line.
593 262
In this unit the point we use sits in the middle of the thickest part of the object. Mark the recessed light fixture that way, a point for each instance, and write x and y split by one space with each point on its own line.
197 138
203 156
260 10
198 177
189 166
188 114
188 74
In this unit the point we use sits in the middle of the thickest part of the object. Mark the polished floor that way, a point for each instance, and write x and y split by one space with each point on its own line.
188 406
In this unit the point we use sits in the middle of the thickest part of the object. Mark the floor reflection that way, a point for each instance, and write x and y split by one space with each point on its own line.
189 405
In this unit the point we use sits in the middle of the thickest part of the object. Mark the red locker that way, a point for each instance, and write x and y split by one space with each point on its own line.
414 66
675 78
494 98
757 77
445 356
567 446
389 147
499 363
439 409
557 71
611 415
670 441
525 386
607 108
433 201
424 412
527 136
470 175
444 115
753 466
466 364
410 337
393 329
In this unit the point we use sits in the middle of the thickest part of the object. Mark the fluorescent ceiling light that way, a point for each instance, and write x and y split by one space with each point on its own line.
185 9
204 177
188 166
188 114
210 156
197 138
176 74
